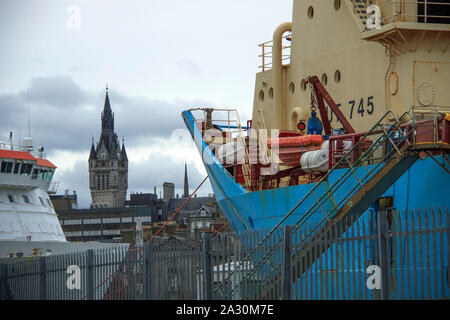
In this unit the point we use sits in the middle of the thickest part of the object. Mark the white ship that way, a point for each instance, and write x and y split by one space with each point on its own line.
29 225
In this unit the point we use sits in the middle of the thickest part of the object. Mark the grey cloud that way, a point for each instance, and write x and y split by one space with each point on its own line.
64 116
57 92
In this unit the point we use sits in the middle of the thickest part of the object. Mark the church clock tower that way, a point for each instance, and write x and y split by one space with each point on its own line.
108 165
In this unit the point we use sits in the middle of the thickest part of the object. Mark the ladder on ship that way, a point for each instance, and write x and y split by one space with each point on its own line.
394 150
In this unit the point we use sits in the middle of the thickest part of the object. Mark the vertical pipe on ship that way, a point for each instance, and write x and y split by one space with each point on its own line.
387 81
277 74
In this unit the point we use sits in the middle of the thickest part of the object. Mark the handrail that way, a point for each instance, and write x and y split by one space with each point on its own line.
408 10
314 208
23 181
337 165
268 55
240 136
14 147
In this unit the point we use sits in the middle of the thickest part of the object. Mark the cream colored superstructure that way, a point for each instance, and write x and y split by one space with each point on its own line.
367 72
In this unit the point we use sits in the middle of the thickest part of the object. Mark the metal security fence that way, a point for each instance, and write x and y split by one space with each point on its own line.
381 255
73 276
176 268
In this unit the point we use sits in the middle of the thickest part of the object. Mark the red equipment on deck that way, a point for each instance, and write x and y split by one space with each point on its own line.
292 148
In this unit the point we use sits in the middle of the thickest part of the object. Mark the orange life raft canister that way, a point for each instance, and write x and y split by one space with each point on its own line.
308 140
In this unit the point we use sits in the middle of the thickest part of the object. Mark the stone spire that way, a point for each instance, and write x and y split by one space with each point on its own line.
107 115
186 183
108 138
93 154
124 152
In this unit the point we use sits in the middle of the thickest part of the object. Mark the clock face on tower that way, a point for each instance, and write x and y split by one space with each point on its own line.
103 156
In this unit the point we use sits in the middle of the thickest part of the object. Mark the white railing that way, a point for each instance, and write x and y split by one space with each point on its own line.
53 187
22 181
15 147
230 122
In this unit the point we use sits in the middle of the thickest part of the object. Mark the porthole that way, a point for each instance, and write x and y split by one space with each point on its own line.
325 79
337 76
261 95
337 4
304 84
292 88
311 12
271 93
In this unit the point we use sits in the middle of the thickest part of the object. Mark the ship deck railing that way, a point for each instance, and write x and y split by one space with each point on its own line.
408 11
399 11
22 181
15 147
267 53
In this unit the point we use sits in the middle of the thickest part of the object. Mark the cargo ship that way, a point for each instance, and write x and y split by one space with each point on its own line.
351 115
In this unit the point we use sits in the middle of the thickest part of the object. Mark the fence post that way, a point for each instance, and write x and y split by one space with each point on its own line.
147 271
207 272
286 279
3 282
90 274
42 278
384 255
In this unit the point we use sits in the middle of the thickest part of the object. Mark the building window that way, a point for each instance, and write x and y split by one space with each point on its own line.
98 182
107 182
11 198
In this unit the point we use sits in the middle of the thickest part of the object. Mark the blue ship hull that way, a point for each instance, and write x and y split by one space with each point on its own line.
424 185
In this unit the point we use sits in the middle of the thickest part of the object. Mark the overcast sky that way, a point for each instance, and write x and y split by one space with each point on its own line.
158 58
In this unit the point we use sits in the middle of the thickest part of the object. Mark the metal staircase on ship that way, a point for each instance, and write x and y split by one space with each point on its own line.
370 171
